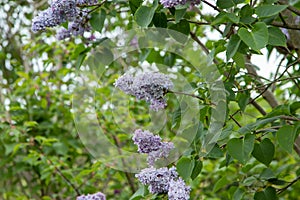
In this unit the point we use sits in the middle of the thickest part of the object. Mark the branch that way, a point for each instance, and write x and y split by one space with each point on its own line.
288 185
291 8
287 26
212 6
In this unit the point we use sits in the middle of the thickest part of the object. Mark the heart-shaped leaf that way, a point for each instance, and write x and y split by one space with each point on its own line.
241 149
257 37
264 151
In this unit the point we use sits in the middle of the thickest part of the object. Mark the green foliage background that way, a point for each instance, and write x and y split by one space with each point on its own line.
257 155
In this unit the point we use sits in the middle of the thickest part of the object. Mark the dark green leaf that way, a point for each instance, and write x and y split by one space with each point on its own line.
134 5
143 16
160 20
276 37
232 46
97 20
264 151
197 169
185 167
268 194
224 17
243 100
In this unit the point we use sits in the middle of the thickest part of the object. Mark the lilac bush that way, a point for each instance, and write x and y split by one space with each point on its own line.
173 3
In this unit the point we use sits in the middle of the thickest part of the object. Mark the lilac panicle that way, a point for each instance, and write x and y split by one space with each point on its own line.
45 19
64 8
62 34
173 3
96 196
86 2
157 179
146 141
162 152
178 190
152 145
151 87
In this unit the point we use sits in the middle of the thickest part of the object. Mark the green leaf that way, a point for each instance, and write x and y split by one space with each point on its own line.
259 123
264 151
185 167
183 27
264 11
179 13
286 137
257 37
197 169
268 194
220 183
276 37
238 194
239 59
134 5
223 17
176 117
224 4
139 193
97 20
243 100
160 20
232 46
144 15
241 149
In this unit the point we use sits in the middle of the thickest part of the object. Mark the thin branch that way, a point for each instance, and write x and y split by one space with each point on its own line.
287 26
64 177
258 107
291 8
237 123
211 5
288 185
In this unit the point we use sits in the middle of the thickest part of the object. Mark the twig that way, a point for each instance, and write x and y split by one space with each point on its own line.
288 185
291 8
287 26
211 5
64 177
239 125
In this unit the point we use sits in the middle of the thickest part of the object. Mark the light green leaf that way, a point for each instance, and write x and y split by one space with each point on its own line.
144 15
286 137
264 151
257 38
220 183
241 149
276 37
223 17
179 13
264 11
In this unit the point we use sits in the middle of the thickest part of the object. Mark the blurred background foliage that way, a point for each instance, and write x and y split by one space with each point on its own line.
41 154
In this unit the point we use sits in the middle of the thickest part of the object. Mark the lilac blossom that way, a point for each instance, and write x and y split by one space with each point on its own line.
151 87
178 190
152 145
96 196
157 179
173 3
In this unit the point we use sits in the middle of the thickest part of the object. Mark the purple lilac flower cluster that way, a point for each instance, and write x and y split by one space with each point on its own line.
61 11
152 145
96 196
151 87
164 180
161 180
173 3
